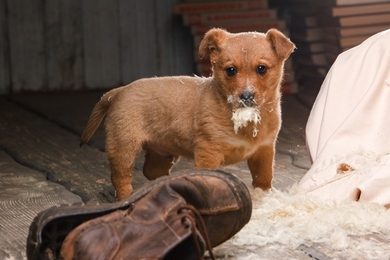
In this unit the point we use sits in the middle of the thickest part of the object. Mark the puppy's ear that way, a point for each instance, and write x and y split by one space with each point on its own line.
281 44
212 41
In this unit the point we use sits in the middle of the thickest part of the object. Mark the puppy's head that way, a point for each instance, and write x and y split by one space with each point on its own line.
248 67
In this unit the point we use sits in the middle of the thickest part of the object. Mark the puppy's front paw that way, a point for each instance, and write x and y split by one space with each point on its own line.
265 186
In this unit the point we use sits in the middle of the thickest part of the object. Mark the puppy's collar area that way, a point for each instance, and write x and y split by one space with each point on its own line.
241 117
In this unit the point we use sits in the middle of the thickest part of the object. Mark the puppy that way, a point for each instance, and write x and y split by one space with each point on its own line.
232 116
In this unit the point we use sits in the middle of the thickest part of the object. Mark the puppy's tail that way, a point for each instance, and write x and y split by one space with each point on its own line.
96 117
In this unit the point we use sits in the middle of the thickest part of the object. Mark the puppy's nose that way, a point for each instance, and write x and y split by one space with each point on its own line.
247 98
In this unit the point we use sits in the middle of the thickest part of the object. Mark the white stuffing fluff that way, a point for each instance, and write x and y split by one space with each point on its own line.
358 159
241 117
290 219
362 167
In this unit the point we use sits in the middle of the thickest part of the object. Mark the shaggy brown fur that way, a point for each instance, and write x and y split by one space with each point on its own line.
186 116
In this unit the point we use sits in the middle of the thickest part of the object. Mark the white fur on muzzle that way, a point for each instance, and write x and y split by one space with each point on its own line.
241 117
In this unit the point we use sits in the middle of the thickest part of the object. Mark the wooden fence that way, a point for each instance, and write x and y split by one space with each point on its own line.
48 45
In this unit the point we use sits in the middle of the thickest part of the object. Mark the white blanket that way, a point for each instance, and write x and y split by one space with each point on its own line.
348 131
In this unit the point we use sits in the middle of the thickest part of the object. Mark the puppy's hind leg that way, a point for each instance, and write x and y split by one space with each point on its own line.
156 165
122 156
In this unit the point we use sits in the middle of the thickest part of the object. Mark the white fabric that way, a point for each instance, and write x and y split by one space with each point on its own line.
350 123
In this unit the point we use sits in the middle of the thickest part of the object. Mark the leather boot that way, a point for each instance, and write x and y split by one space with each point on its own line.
173 217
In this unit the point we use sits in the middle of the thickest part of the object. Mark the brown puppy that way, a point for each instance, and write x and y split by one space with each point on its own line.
231 116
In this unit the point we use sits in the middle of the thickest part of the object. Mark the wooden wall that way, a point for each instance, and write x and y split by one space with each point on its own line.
48 45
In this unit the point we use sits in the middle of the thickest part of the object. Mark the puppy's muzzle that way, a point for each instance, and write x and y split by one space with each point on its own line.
247 99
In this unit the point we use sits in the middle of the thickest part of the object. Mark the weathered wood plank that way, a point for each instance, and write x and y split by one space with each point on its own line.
4 50
138 40
129 51
101 44
91 44
63 44
373 246
153 41
74 44
49 148
233 252
182 50
23 193
26 45
174 41
68 110
53 44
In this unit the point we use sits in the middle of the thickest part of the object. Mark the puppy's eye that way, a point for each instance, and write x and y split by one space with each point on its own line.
261 70
231 71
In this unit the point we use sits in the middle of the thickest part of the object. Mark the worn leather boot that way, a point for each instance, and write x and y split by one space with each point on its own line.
173 217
